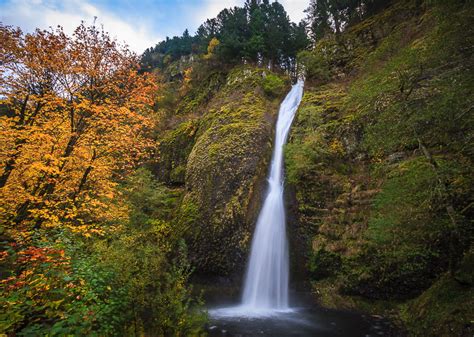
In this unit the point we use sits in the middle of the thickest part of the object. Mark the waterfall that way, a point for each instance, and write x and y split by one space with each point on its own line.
266 281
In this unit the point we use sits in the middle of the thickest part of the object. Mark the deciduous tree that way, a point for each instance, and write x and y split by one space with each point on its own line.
75 113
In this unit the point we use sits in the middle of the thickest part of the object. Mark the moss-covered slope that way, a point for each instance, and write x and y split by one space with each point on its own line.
380 159
219 151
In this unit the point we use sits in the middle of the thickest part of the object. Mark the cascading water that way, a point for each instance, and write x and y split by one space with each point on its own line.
266 282
264 310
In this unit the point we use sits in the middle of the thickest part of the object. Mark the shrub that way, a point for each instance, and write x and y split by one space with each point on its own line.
273 85
314 66
130 282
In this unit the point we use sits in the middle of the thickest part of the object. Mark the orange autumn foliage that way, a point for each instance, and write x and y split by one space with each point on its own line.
75 115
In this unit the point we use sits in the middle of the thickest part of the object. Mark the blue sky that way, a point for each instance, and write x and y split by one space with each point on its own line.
140 23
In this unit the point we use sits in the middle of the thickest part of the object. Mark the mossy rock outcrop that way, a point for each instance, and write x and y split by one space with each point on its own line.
221 152
175 147
447 307
382 172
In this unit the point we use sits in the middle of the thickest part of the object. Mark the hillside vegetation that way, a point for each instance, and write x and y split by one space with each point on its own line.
380 159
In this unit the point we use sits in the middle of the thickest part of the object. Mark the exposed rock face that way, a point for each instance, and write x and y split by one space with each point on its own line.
222 157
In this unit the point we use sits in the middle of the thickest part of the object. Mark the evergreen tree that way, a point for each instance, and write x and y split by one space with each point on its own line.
332 16
233 34
255 47
277 33
259 32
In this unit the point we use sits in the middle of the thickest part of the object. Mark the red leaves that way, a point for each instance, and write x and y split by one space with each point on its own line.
32 263
41 255
3 255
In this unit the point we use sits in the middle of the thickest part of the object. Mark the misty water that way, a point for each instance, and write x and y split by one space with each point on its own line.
305 319
265 308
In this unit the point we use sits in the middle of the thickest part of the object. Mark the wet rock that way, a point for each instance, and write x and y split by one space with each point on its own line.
225 174
396 157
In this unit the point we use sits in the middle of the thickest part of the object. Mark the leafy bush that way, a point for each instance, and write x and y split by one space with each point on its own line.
152 269
273 85
132 282
314 65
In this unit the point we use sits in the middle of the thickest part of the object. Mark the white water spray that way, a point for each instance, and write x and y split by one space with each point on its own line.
266 282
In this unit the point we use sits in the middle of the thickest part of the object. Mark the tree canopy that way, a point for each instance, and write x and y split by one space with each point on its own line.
259 32
67 101
80 253
332 16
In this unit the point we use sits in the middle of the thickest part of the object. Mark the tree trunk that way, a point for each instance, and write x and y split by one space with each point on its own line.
10 164
7 170
84 176
23 210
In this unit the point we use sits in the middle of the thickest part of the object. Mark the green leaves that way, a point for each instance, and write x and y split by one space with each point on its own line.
101 286
273 85
260 32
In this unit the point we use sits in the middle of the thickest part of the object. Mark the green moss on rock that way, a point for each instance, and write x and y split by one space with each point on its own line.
445 309
174 148
380 165
226 168
273 85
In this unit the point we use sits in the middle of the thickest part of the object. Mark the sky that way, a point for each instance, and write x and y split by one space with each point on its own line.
139 23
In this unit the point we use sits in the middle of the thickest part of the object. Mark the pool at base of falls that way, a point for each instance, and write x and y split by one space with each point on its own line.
240 321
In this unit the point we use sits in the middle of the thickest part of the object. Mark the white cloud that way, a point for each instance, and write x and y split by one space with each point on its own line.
295 9
210 9
32 14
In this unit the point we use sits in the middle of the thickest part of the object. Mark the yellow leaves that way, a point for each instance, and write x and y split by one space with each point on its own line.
186 80
79 229
187 75
336 147
211 48
47 215
88 117
109 195
88 230
41 168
